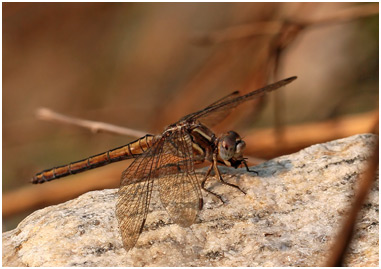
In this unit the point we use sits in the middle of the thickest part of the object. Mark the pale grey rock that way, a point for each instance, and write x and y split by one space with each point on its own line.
289 217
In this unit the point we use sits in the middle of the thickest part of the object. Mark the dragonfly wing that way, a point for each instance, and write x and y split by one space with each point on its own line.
217 117
224 107
180 191
135 193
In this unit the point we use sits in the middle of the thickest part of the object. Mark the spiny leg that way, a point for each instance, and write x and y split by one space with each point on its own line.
203 184
220 177
247 168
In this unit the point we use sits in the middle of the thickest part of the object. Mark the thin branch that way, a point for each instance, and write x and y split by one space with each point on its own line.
277 26
344 237
348 14
262 143
93 126
239 31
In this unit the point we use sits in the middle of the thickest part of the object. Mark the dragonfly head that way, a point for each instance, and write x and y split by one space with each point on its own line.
231 146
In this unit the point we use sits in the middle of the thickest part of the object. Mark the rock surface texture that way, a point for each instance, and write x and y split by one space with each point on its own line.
293 208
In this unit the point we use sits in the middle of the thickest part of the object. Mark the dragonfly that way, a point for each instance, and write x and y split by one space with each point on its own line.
168 160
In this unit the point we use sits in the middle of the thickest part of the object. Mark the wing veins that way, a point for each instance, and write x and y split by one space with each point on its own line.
232 103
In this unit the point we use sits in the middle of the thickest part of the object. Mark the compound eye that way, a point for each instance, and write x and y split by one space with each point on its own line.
240 147
225 145
234 135
226 148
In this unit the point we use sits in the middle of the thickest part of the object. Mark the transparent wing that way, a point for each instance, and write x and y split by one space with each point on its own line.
224 107
170 161
218 116
180 191
135 193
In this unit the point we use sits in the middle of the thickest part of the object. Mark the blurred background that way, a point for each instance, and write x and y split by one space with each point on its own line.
145 65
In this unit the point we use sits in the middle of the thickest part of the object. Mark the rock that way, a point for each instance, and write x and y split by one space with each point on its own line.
289 217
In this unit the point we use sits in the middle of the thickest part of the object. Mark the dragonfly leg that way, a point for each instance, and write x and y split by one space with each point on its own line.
247 168
218 174
205 189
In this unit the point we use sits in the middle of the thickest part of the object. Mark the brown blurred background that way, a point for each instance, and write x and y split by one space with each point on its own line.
145 65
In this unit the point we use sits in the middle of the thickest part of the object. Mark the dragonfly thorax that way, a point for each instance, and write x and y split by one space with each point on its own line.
230 146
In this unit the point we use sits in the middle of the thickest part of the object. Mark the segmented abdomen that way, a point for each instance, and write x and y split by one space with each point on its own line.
128 151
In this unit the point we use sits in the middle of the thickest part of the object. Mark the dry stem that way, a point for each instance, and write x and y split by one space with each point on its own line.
93 126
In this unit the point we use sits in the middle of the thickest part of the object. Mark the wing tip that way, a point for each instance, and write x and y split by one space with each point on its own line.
290 79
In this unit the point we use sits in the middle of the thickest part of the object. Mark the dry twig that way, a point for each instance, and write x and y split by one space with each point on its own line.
275 27
345 235
263 144
93 126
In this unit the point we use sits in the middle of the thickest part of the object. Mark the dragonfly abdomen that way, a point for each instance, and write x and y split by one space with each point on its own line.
128 151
